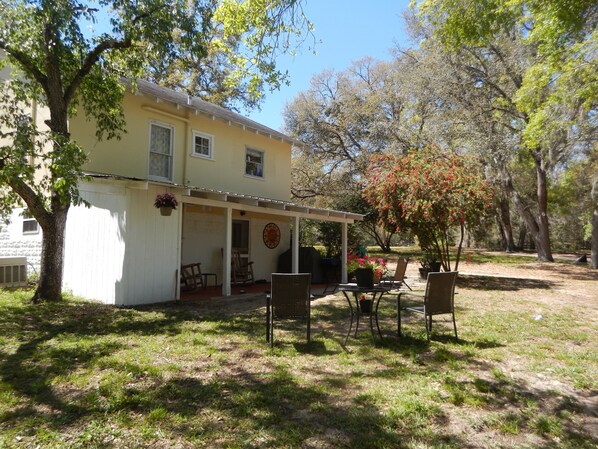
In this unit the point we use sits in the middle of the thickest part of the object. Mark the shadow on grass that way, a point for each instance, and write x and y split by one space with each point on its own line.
576 272
479 282
291 402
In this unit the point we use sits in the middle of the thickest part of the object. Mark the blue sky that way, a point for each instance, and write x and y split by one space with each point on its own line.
348 31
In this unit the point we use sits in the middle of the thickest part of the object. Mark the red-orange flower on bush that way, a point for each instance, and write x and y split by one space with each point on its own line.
429 191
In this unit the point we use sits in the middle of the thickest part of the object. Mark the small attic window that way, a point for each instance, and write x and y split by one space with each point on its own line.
203 145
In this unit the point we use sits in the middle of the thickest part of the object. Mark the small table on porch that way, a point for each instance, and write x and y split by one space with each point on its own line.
377 291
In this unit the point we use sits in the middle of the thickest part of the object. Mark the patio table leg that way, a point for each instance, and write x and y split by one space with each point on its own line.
376 315
351 311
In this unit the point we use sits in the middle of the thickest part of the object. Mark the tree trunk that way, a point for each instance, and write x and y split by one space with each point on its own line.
537 225
382 237
522 235
594 256
506 227
49 287
53 221
542 238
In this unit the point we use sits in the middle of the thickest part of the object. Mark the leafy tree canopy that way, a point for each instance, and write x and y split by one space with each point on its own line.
563 33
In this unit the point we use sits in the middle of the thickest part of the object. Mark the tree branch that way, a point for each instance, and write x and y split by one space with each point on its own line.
91 59
26 62
34 204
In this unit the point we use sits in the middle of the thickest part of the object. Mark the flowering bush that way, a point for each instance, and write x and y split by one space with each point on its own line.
429 192
166 200
376 264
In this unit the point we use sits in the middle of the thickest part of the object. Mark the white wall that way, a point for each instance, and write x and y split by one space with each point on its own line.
121 250
203 238
95 246
152 242
14 243
266 259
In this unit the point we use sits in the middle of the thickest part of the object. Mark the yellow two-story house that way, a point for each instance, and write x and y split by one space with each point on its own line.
230 175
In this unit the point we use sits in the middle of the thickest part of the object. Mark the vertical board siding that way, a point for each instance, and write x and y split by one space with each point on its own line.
95 247
151 257
121 250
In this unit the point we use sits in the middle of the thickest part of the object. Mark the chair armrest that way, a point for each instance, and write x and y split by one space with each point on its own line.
411 294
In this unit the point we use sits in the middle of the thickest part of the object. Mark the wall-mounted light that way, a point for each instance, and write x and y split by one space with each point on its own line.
243 213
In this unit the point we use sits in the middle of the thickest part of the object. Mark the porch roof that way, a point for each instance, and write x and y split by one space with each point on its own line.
219 198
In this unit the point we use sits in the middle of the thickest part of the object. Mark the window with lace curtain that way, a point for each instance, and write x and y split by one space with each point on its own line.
254 163
160 151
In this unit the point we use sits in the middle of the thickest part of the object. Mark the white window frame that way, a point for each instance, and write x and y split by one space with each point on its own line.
249 150
209 138
28 218
171 128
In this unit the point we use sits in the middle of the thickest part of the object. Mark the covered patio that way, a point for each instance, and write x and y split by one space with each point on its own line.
213 246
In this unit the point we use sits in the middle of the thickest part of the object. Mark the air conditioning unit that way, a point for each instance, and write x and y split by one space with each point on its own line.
13 271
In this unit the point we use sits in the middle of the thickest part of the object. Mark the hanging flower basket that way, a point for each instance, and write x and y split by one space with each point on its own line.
166 211
166 202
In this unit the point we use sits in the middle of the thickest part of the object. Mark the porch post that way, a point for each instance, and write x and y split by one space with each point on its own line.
344 253
179 249
226 256
295 250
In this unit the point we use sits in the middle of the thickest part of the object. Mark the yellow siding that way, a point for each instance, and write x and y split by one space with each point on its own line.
226 171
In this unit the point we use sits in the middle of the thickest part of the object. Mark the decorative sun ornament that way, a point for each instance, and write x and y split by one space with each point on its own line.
271 235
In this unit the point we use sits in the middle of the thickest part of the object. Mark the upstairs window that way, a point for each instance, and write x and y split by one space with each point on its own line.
254 163
30 225
160 151
202 145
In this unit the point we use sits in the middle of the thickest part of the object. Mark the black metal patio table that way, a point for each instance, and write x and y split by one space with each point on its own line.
377 291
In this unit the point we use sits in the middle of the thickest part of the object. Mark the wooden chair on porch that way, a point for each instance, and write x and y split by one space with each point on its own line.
242 271
191 277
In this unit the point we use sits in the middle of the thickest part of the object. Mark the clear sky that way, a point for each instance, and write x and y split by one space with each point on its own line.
347 30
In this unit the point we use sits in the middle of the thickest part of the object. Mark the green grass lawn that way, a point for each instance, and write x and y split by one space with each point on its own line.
83 375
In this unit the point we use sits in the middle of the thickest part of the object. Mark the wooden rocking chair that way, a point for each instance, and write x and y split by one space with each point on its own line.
242 272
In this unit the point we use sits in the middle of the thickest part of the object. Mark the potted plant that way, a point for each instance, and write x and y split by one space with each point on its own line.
429 263
366 269
365 304
166 202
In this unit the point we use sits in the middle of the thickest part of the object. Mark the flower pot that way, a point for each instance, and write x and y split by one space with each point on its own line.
365 305
364 277
435 267
165 211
